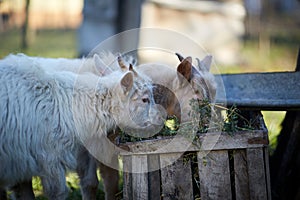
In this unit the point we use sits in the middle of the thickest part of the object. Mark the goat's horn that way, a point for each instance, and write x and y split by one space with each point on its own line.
180 57
130 67
199 63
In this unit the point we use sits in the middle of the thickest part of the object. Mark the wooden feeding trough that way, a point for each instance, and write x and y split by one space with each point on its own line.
233 166
215 166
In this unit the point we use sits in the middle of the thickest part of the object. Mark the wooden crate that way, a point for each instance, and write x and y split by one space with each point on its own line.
233 167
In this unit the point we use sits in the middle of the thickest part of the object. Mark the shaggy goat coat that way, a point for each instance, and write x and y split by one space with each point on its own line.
199 83
46 115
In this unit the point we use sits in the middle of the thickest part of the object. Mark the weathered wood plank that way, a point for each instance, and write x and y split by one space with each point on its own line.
154 177
241 175
267 171
250 178
127 178
256 172
262 91
140 177
176 178
216 141
214 175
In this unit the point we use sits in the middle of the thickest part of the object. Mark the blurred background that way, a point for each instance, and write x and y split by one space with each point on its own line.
242 35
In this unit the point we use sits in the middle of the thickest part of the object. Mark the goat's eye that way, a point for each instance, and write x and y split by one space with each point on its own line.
146 100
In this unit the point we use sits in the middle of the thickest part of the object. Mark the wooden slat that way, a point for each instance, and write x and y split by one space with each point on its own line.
154 177
262 91
251 180
176 179
256 172
214 175
140 177
127 178
216 141
241 175
267 171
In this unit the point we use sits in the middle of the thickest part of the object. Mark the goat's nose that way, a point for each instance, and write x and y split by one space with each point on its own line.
196 97
158 114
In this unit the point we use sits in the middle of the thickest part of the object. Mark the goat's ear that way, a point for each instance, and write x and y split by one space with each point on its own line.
121 63
127 82
185 68
205 64
101 66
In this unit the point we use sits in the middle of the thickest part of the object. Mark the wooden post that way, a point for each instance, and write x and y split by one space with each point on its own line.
176 179
140 177
24 39
256 171
241 175
154 177
214 175
127 178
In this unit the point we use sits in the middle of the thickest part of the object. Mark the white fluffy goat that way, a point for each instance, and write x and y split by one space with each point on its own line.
47 115
100 64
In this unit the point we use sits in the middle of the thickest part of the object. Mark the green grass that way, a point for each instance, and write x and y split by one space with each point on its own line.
279 57
73 184
273 121
48 43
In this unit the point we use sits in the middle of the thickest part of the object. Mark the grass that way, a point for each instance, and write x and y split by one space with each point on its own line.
73 184
48 43
205 118
273 121
278 55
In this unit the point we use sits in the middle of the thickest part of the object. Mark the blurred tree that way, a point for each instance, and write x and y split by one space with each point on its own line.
105 18
24 29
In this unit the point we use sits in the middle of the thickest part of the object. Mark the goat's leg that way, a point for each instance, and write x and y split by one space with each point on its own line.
87 172
23 191
54 183
3 194
110 178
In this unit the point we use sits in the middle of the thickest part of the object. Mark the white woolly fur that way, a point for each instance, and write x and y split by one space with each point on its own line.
46 114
